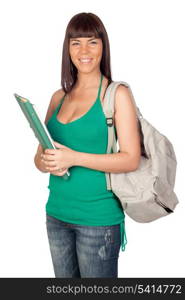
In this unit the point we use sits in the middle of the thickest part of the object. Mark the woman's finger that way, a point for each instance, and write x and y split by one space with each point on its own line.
47 157
51 169
49 164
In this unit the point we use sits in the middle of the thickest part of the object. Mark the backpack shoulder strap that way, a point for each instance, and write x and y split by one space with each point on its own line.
108 109
110 97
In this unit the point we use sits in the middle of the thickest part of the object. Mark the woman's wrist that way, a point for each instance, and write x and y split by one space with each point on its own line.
77 158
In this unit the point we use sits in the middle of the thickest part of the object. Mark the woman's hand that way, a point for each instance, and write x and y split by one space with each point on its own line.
38 159
57 161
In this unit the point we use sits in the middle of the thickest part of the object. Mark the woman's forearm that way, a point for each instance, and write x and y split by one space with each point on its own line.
114 163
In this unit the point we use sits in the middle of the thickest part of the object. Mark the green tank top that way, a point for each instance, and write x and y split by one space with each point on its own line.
84 199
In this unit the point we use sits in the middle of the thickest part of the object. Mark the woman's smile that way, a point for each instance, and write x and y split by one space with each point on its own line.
86 61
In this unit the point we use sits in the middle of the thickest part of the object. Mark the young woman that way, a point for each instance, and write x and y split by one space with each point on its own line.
85 221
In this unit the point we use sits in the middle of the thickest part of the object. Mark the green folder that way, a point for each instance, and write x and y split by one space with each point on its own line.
39 128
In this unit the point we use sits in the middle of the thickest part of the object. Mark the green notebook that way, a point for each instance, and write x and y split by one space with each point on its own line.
39 128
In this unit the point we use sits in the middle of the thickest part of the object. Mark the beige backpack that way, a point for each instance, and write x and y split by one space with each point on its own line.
146 194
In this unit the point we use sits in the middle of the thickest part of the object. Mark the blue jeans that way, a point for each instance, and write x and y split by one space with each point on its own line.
80 251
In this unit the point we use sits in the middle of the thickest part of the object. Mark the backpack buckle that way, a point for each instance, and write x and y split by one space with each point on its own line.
109 121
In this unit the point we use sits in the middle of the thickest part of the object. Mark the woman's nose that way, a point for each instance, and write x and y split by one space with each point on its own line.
84 49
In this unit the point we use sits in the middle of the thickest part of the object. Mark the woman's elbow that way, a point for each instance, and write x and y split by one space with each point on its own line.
135 162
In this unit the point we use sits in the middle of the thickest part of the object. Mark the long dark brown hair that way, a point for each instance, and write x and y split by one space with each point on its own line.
88 25
84 25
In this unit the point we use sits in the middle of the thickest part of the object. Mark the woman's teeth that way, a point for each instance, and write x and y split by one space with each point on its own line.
85 60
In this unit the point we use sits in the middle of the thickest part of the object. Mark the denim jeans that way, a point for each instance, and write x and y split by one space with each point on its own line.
80 251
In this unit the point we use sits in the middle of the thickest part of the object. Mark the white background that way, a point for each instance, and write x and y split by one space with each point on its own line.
147 51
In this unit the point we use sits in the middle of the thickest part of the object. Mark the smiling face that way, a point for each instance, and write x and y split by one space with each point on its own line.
86 53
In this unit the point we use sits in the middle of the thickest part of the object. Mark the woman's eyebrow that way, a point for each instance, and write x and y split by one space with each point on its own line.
73 39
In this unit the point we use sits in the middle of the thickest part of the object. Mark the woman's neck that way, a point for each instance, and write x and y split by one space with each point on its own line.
85 81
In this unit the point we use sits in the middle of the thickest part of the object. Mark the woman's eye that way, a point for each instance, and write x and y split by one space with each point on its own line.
93 42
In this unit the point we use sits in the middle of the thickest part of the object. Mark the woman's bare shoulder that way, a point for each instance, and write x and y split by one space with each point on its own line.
56 97
54 102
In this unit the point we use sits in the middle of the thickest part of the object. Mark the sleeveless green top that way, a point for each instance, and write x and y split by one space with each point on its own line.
84 199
